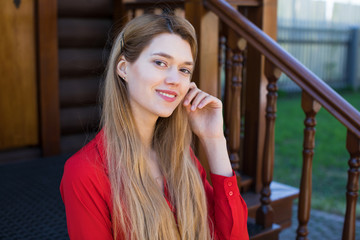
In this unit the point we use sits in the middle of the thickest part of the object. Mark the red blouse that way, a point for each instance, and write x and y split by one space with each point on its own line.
85 191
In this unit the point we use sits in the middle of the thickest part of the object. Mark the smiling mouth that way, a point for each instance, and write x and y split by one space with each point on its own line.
167 95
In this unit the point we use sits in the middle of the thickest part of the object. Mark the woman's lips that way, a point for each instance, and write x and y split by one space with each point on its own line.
167 95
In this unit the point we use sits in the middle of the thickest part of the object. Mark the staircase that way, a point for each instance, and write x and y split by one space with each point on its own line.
315 94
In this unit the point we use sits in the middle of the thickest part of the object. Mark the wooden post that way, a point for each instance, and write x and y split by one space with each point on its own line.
206 70
310 107
265 17
353 147
48 75
207 29
265 213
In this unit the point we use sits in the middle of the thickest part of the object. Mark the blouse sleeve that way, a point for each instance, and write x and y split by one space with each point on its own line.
83 189
227 209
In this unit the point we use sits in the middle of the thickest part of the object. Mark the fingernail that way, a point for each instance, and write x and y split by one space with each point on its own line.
193 107
186 102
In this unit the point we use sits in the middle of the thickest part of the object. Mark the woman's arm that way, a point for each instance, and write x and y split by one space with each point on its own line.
227 209
217 156
205 114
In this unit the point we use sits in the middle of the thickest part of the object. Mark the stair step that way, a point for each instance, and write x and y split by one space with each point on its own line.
245 183
282 197
257 232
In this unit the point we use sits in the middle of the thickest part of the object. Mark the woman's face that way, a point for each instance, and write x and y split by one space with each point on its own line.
159 79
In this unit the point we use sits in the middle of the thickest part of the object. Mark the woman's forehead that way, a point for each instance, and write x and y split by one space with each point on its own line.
170 46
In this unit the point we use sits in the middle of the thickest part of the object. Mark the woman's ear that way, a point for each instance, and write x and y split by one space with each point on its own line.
121 68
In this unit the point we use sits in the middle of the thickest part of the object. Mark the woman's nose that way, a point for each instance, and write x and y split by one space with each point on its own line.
173 76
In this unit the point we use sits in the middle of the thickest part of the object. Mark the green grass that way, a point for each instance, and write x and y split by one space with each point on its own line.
330 162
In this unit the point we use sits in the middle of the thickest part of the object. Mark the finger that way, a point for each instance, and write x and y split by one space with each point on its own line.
193 92
207 100
199 97
192 85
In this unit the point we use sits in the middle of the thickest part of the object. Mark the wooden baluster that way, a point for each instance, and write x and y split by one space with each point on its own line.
227 97
241 44
353 147
222 49
310 108
235 121
265 213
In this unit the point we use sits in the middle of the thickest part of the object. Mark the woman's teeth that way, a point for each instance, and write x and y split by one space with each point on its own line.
167 95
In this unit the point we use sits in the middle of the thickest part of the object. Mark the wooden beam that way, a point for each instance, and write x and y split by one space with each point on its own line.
48 76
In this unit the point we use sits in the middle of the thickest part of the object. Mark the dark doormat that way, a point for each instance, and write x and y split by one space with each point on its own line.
30 201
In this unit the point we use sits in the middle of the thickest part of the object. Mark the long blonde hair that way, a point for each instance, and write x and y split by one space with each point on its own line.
139 208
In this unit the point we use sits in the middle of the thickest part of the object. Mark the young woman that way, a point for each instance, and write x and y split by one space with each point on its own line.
139 178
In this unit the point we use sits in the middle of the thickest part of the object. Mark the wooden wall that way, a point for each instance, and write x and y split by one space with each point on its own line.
18 86
84 27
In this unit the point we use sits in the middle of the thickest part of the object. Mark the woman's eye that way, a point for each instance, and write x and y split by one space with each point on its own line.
160 63
186 71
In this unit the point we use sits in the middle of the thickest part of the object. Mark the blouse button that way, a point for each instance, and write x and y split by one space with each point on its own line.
229 184
231 193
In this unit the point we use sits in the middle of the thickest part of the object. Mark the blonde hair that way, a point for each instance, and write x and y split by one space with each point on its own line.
139 208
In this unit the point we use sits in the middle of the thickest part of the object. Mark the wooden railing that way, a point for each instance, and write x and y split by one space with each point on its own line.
315 94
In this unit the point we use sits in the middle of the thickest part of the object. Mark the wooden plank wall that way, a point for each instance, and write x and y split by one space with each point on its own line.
18 87
83 29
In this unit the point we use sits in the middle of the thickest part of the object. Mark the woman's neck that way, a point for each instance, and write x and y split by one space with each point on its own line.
146 133
145 126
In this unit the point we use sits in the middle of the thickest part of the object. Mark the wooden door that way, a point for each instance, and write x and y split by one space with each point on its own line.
18 86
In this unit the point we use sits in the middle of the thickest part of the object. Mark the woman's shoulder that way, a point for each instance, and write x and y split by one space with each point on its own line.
85 180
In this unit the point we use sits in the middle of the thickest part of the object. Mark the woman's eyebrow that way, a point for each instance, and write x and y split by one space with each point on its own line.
165 55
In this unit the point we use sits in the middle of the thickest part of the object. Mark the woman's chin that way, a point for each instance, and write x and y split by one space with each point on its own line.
166 114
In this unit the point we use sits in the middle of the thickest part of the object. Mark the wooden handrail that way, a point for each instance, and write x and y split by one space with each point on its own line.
308 81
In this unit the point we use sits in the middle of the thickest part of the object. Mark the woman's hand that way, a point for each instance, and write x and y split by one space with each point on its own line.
205 113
